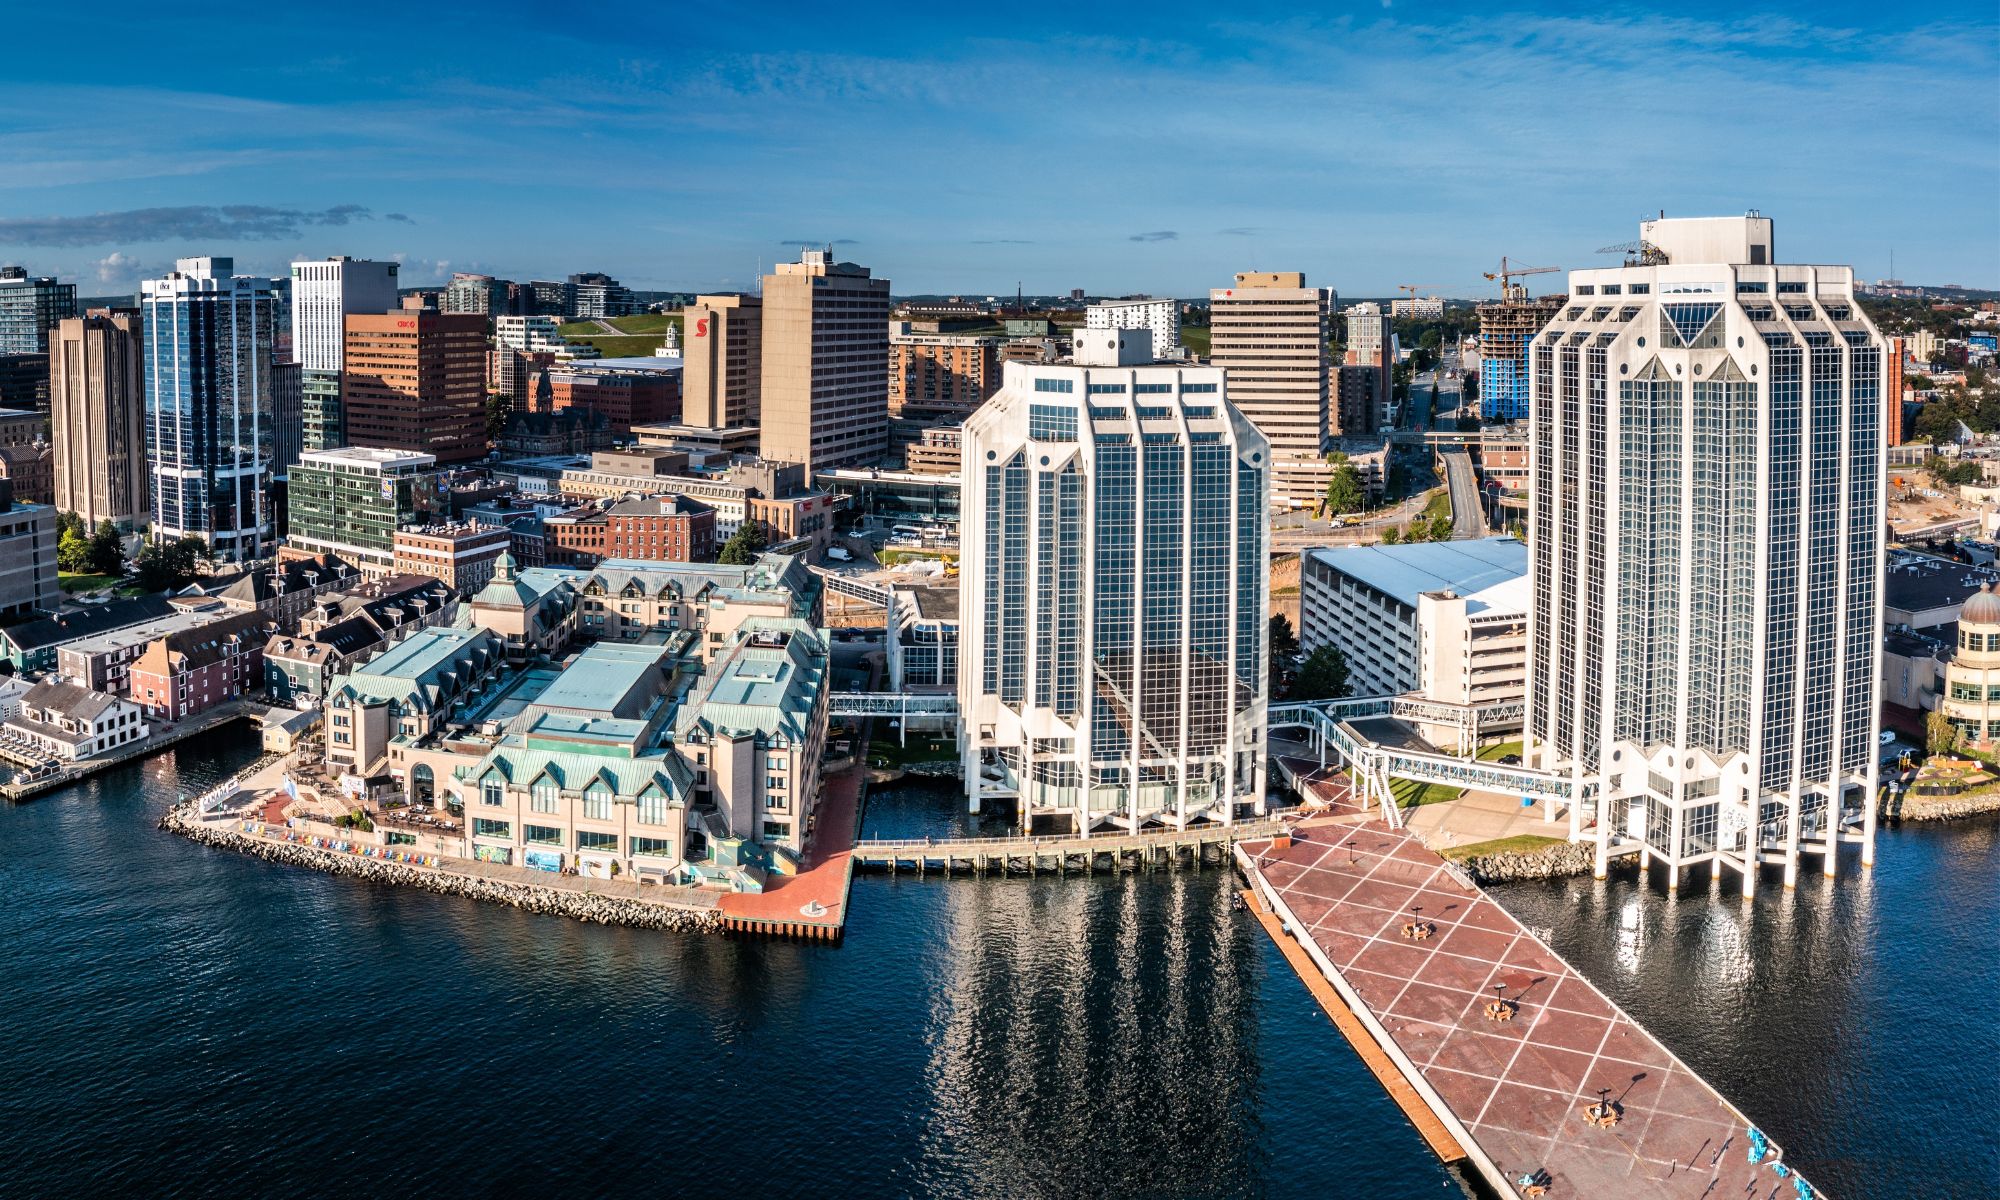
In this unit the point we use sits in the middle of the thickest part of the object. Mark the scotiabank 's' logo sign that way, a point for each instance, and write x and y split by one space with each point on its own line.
701 327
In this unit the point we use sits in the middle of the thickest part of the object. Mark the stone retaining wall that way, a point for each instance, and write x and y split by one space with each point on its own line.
1553 862
581 906
1947 808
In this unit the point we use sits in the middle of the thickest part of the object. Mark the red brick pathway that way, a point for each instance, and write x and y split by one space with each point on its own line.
823 879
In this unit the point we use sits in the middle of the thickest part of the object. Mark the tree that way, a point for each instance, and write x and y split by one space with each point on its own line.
107 550
166 565
1322 676
72 552
744 545
1284 645
1391 536
1440 530
1344 493
1941 735
499 407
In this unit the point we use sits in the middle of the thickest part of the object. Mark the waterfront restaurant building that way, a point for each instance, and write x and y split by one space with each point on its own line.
1114 593
1705 553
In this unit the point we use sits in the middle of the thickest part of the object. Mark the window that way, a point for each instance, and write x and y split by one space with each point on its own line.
774 762
1192 388
481 827
544 796
492 793
1639 289
658 847
653 808
1613 289
1052 385
597 803
587 840
774 783
1152 389
542 835
777 829
1106 389
1586 289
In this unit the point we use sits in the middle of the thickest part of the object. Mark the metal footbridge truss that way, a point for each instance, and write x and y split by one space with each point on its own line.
1329 724
892 704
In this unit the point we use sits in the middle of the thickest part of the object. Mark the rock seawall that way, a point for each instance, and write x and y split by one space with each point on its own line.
1945 808
1554 862
580 906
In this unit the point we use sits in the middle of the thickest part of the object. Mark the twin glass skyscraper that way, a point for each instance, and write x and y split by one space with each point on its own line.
210 433
1705 550
1114 588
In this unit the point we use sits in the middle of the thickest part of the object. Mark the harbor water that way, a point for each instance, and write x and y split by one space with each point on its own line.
183 1021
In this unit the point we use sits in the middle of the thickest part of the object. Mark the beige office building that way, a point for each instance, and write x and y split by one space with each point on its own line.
825 364
722 352
97 418
1269 332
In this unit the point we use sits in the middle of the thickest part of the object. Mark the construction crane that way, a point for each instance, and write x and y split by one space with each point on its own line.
1509 290
1412 289
1641 253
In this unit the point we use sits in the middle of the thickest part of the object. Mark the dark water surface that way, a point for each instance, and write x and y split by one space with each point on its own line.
1857 1021
181 1021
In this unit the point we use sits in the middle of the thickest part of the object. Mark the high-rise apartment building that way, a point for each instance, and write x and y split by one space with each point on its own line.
1162 317
1114 593
1705 553
825 369
939 377
596 294
324 292
415 380
1371 343
722 351
97 418
472 293
1270 332
350 502
30 308
554 299
1505 329
210 437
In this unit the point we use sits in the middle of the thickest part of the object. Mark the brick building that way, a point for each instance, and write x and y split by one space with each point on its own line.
655 529
624 397
462 556
196 669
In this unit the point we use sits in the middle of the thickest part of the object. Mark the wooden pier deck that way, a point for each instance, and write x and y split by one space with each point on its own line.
1110 852
1511 1094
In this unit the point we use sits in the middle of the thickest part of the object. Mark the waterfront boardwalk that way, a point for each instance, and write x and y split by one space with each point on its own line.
162 735
1512 1093
813 903
1064 853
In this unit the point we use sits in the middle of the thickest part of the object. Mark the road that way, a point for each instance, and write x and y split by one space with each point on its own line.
1468 520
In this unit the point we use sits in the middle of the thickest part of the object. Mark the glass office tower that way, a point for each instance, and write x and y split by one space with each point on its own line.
1113 592
209 418
1705 553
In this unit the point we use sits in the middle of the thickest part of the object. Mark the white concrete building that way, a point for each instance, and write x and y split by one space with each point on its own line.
537 335
1706 500
324 291
1163 317
1446 621
1114 590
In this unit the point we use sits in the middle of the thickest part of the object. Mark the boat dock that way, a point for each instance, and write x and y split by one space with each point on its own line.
159 739
1502 1055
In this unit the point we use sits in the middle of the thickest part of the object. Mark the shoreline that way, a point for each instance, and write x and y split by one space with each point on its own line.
234 834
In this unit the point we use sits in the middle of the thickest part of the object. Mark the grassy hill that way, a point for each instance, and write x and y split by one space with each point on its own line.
637 337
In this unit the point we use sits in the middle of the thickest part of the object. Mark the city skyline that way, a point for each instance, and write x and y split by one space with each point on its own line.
691 153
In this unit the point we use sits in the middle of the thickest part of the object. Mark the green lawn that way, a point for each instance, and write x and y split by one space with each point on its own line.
890 557
1409 793
84 583
1520 843
1499 750
1195 338
1438 505
624 347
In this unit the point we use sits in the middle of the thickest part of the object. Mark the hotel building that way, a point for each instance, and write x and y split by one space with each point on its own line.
825 364
1269 331
1111 666
1705 553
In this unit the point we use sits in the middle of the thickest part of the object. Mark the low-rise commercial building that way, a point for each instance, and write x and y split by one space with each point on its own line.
103 662
754 729
923 651
462 556
35 645
625 394
191 671
655 529
407 693
1971 700
72 723
285 591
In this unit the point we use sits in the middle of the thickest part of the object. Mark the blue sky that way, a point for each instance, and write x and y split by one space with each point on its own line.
1115 148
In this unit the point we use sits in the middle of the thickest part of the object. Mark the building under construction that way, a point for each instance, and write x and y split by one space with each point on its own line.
1505 329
